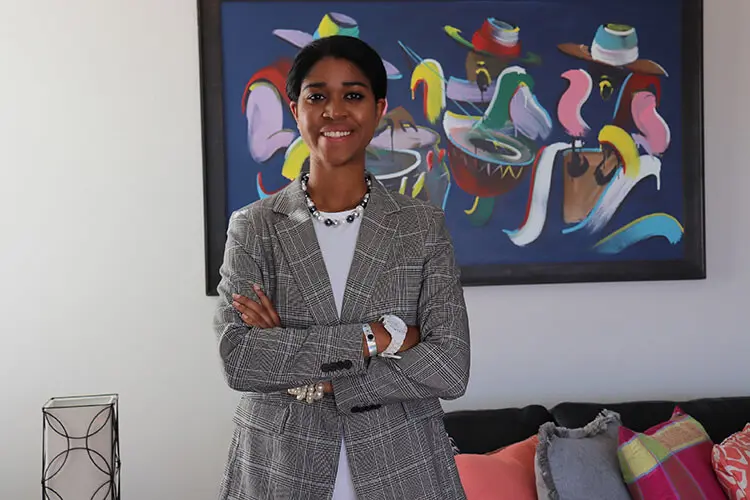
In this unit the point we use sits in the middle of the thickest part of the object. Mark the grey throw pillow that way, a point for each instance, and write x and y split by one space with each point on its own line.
580 464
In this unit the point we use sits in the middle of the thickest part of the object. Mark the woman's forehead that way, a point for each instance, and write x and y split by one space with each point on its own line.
336 71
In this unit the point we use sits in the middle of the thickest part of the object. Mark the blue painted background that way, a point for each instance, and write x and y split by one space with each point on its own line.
249 45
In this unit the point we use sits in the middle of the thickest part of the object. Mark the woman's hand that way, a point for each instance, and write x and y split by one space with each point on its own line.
258 314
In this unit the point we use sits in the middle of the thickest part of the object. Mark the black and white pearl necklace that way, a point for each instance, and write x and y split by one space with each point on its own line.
356 213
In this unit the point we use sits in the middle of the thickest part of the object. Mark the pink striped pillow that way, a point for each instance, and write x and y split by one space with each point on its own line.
671 460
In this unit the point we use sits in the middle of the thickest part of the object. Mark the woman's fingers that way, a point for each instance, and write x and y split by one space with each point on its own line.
268 305
254 312
253 320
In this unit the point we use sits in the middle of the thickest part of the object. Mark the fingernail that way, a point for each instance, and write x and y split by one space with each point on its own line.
256 287
235 296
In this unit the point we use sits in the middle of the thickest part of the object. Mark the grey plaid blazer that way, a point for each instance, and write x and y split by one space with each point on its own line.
388 411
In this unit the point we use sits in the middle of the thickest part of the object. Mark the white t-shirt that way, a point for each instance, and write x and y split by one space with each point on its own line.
337 245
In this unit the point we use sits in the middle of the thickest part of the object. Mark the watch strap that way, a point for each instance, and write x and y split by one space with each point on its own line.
397 329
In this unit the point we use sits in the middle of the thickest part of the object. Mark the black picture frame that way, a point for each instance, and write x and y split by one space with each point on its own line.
691 267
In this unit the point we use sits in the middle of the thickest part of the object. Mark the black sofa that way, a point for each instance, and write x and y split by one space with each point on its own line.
481 431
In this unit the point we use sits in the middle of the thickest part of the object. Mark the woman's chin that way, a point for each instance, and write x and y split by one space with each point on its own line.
340 157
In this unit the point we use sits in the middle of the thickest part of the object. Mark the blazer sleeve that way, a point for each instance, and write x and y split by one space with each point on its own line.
273 359
439 365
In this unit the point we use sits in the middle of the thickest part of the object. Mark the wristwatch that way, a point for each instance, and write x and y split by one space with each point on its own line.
397 328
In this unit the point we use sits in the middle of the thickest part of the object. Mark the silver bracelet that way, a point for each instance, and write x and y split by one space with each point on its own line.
309 393
372 346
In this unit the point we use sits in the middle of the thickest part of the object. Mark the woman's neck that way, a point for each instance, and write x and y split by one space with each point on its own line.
336 189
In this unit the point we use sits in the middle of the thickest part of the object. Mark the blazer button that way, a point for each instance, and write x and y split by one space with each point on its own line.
348 364
326 367
360 409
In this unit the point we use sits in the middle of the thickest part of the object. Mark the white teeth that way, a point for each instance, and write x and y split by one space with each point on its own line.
336 134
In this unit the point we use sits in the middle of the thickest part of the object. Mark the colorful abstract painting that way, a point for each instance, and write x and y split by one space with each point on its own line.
562 138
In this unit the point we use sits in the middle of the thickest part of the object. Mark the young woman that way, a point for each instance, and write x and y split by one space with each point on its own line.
341 319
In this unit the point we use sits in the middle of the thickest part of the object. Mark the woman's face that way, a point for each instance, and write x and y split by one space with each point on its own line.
336 112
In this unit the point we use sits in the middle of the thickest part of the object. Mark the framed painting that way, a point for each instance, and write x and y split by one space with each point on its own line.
563 139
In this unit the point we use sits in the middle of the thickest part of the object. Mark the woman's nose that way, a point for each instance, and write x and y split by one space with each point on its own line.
335 109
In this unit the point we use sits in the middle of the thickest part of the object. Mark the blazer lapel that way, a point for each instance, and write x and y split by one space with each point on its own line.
300 246
374 243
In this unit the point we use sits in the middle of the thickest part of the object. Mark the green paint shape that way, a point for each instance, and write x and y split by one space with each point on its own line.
498 114
483 212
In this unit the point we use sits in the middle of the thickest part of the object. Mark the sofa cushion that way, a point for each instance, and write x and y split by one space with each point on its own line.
482 431
671 460
731 462
507 474
580 464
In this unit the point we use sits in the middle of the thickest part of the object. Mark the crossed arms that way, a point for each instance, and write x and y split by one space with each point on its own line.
259 354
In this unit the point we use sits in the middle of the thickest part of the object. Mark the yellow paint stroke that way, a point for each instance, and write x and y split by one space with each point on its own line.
514 172
631 224
402 188
327 27
418 185
484 72
474 207
294 158
430 74
625 147
451 119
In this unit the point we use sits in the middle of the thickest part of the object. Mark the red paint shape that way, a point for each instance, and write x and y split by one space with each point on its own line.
441 154
263 188
275 74
430 160
423 83
636 83
485 40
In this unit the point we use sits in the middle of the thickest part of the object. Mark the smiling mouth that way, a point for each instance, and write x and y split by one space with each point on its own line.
338 134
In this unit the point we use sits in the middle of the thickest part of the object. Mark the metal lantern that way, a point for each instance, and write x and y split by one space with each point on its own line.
81 448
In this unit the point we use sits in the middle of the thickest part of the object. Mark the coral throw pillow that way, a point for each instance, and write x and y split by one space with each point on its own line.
670 461
507 474
731 461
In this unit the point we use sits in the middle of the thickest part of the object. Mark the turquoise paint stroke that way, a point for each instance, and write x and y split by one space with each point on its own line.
649 226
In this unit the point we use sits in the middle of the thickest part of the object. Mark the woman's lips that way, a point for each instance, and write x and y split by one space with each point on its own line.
336 135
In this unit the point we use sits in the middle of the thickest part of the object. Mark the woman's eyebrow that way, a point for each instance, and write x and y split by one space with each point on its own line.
318 85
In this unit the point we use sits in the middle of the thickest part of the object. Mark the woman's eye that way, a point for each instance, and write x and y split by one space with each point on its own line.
314 97
354 96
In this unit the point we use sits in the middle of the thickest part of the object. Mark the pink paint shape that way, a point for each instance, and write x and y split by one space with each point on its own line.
656 136
572 101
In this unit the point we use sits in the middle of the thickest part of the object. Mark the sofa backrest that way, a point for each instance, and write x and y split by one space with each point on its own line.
481 431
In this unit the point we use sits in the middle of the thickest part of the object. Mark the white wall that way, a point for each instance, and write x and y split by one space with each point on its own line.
101 284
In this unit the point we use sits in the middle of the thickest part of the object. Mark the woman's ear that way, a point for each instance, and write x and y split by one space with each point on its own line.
293 109
382 106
